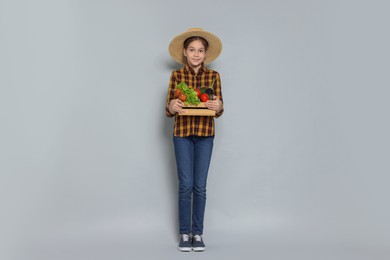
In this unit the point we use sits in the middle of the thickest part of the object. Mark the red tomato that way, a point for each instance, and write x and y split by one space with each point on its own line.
198 91
177 93
183 97
204 97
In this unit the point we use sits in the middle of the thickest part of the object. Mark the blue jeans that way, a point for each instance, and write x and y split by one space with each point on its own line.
193 155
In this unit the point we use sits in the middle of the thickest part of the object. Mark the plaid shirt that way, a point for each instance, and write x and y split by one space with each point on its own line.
194 125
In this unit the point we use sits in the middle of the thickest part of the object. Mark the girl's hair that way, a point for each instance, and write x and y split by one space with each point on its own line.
196 38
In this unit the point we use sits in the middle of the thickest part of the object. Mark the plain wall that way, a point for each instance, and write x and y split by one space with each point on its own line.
86 152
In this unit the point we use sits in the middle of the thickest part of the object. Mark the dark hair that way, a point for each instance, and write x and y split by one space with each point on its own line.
196 38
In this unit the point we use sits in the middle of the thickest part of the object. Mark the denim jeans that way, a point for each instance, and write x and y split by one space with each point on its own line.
193 155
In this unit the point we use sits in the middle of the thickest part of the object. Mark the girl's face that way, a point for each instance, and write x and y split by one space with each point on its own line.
195 53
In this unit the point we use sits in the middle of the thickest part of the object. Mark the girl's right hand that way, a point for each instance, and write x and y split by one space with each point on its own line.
175 106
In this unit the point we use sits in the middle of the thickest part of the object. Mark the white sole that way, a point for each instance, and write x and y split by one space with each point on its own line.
199 249
184 249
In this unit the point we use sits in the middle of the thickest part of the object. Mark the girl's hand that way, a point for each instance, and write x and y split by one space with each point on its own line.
215 104
175 106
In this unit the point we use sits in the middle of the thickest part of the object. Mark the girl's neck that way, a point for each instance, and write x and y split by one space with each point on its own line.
196 69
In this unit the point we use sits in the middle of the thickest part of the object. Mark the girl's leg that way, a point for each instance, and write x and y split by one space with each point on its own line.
202 152
184 153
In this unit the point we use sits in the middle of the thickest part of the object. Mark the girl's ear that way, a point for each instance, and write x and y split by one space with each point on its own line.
184 52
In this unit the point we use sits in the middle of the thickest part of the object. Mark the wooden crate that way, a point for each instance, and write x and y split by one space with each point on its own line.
199 110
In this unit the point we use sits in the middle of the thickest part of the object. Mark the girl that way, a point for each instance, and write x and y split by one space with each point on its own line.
193 136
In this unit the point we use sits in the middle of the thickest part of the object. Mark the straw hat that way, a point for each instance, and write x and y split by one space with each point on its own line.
176 45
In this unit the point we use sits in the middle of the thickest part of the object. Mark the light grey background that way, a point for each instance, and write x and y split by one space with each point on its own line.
300 165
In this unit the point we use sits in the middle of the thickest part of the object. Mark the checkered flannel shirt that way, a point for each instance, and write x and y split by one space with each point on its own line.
194 125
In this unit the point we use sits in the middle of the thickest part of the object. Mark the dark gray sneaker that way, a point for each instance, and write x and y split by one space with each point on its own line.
198 244
185 243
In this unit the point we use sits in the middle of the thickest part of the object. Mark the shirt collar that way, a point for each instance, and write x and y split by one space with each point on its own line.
201 70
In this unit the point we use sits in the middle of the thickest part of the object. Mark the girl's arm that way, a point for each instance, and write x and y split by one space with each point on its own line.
171 94
218 93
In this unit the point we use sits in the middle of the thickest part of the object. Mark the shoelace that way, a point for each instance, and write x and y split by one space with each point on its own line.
185 237
198 238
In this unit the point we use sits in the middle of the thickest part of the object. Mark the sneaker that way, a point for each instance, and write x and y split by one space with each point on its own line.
197 244
185 243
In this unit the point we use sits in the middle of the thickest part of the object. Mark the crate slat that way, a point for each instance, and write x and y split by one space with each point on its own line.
193 111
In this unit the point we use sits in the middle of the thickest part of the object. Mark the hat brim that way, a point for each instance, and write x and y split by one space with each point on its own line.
213 51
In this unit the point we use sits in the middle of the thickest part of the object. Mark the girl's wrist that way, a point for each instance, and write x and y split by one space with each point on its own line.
220 106
170 107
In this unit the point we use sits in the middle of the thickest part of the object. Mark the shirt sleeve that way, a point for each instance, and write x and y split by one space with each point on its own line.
218 92
171 94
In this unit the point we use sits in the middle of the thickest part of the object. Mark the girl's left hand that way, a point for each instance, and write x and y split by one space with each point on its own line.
215 104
